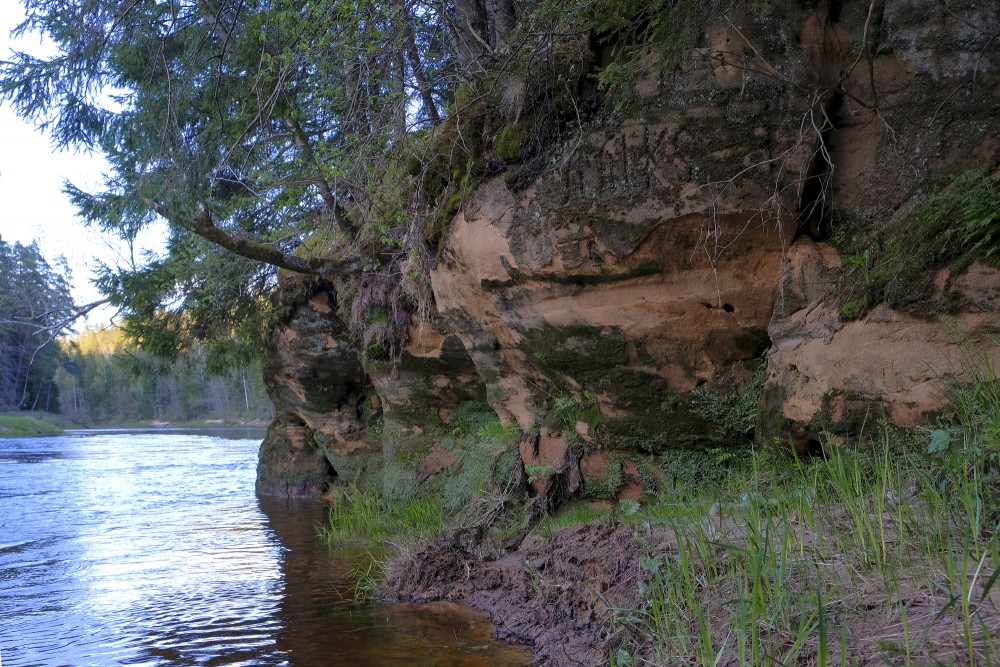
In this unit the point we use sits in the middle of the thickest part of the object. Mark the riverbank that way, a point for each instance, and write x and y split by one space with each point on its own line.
190 424
25 425
28 424
863 558
880 551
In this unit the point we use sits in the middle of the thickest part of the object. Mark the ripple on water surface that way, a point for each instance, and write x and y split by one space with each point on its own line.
131 548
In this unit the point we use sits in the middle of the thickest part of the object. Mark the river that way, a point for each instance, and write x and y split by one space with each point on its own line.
150 548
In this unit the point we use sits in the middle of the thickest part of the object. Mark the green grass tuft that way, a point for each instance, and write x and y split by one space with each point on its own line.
381 530
17 426
951 228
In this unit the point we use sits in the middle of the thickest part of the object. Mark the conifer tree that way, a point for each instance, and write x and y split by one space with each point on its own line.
35 307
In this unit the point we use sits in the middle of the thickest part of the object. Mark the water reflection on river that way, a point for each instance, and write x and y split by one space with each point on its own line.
131 548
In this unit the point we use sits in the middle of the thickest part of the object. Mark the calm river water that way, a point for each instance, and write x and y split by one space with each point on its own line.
131 548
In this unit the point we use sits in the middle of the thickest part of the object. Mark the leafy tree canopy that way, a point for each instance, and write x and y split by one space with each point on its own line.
105 379
249 125
305 135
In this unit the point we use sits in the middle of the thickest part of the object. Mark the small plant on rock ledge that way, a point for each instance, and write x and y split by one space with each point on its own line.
537 472
568 411
951 228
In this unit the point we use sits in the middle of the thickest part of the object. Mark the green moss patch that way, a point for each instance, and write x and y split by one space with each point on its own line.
581 352
708 417
508 143
957 225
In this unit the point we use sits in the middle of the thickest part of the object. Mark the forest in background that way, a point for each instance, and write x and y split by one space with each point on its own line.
35 303
99 376
105 379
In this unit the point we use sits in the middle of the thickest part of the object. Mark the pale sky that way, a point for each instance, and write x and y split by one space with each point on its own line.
32 172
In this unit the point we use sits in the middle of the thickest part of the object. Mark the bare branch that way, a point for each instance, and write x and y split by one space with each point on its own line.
56 327
203 225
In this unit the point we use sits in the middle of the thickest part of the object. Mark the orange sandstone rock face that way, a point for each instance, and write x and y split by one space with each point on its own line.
825 373
433 372
670 299
324 393
828 374
666 251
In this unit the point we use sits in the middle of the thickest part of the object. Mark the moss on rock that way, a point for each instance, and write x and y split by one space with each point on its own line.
897 264
581 352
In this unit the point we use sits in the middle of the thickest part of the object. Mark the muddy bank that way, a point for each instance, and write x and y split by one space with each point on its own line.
555 595
791 577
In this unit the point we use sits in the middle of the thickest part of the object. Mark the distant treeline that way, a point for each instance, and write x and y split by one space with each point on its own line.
35 304
105 379
100 376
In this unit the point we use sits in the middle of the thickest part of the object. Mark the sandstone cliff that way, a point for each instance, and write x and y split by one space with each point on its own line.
674 272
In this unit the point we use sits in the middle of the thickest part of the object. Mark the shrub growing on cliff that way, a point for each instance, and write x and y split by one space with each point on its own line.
949 229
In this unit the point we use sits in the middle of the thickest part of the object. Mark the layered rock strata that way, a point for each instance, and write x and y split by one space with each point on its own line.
670 260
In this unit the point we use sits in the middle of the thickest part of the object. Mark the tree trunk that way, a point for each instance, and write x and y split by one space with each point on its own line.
399 103
470 32
326 192
419 74
246 393
501 21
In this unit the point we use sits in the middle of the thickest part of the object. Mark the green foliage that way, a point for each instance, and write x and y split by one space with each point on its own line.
495 432
951 228
537 472
736 412
625 31
975 201
508 143
317 142
35 308
567 411
695 465
860 262
648 478
106 379
368 573
574 513
966 444
628 508
315 96
469 479
486 459
771 555
468 417
380 528
481 489
614 476
749 557
362 517
611 482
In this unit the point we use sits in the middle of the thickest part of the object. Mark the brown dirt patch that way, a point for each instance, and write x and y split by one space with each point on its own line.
551 594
